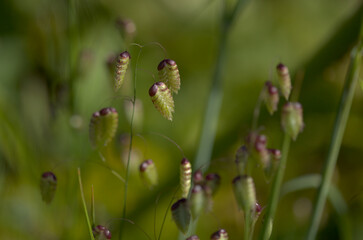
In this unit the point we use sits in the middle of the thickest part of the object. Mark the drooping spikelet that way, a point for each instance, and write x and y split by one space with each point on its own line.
220 235
197 200
48 186
162 99
149 173
121 66
245 193
169 74
103 127
194 237
292 119
271 97
101 232
284 80
185 177
181 215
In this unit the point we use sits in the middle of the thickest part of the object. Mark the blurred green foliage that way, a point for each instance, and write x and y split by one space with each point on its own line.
53 76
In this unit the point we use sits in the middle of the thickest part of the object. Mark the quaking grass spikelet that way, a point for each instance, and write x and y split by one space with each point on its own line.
185 177
245 193
149 173
220 235
48 186
101 232
169 74
121 66
103 127
284 80
181 215
162 99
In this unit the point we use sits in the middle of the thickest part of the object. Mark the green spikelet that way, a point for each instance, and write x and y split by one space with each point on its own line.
169 74
185 177
181 215
148 173
284 80
194 237
48 186
271 168
197 201
245 193
103 127
162 99
220 235
271 97
121 66
292 119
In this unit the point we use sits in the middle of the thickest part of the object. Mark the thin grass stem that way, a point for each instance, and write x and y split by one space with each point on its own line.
337 137
84 205
275 190
130 147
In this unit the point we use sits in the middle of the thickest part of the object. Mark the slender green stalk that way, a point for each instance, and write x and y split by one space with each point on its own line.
247 226
336 140
275 191
84 205
93 215
130 147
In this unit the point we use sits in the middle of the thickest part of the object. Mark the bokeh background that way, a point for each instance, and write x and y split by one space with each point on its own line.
54 75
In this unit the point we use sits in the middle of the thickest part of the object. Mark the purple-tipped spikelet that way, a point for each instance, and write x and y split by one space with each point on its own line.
245 193
284 80
121 66
185 177
274 160
198 177
101 232
212 182
162 99
127 28
197 200
194 237
48 186
259 150
149 173
258 210
292 119
219 235
271 97
103 126
181 215
169 74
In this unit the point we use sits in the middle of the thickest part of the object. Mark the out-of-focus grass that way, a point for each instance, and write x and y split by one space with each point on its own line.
36 134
